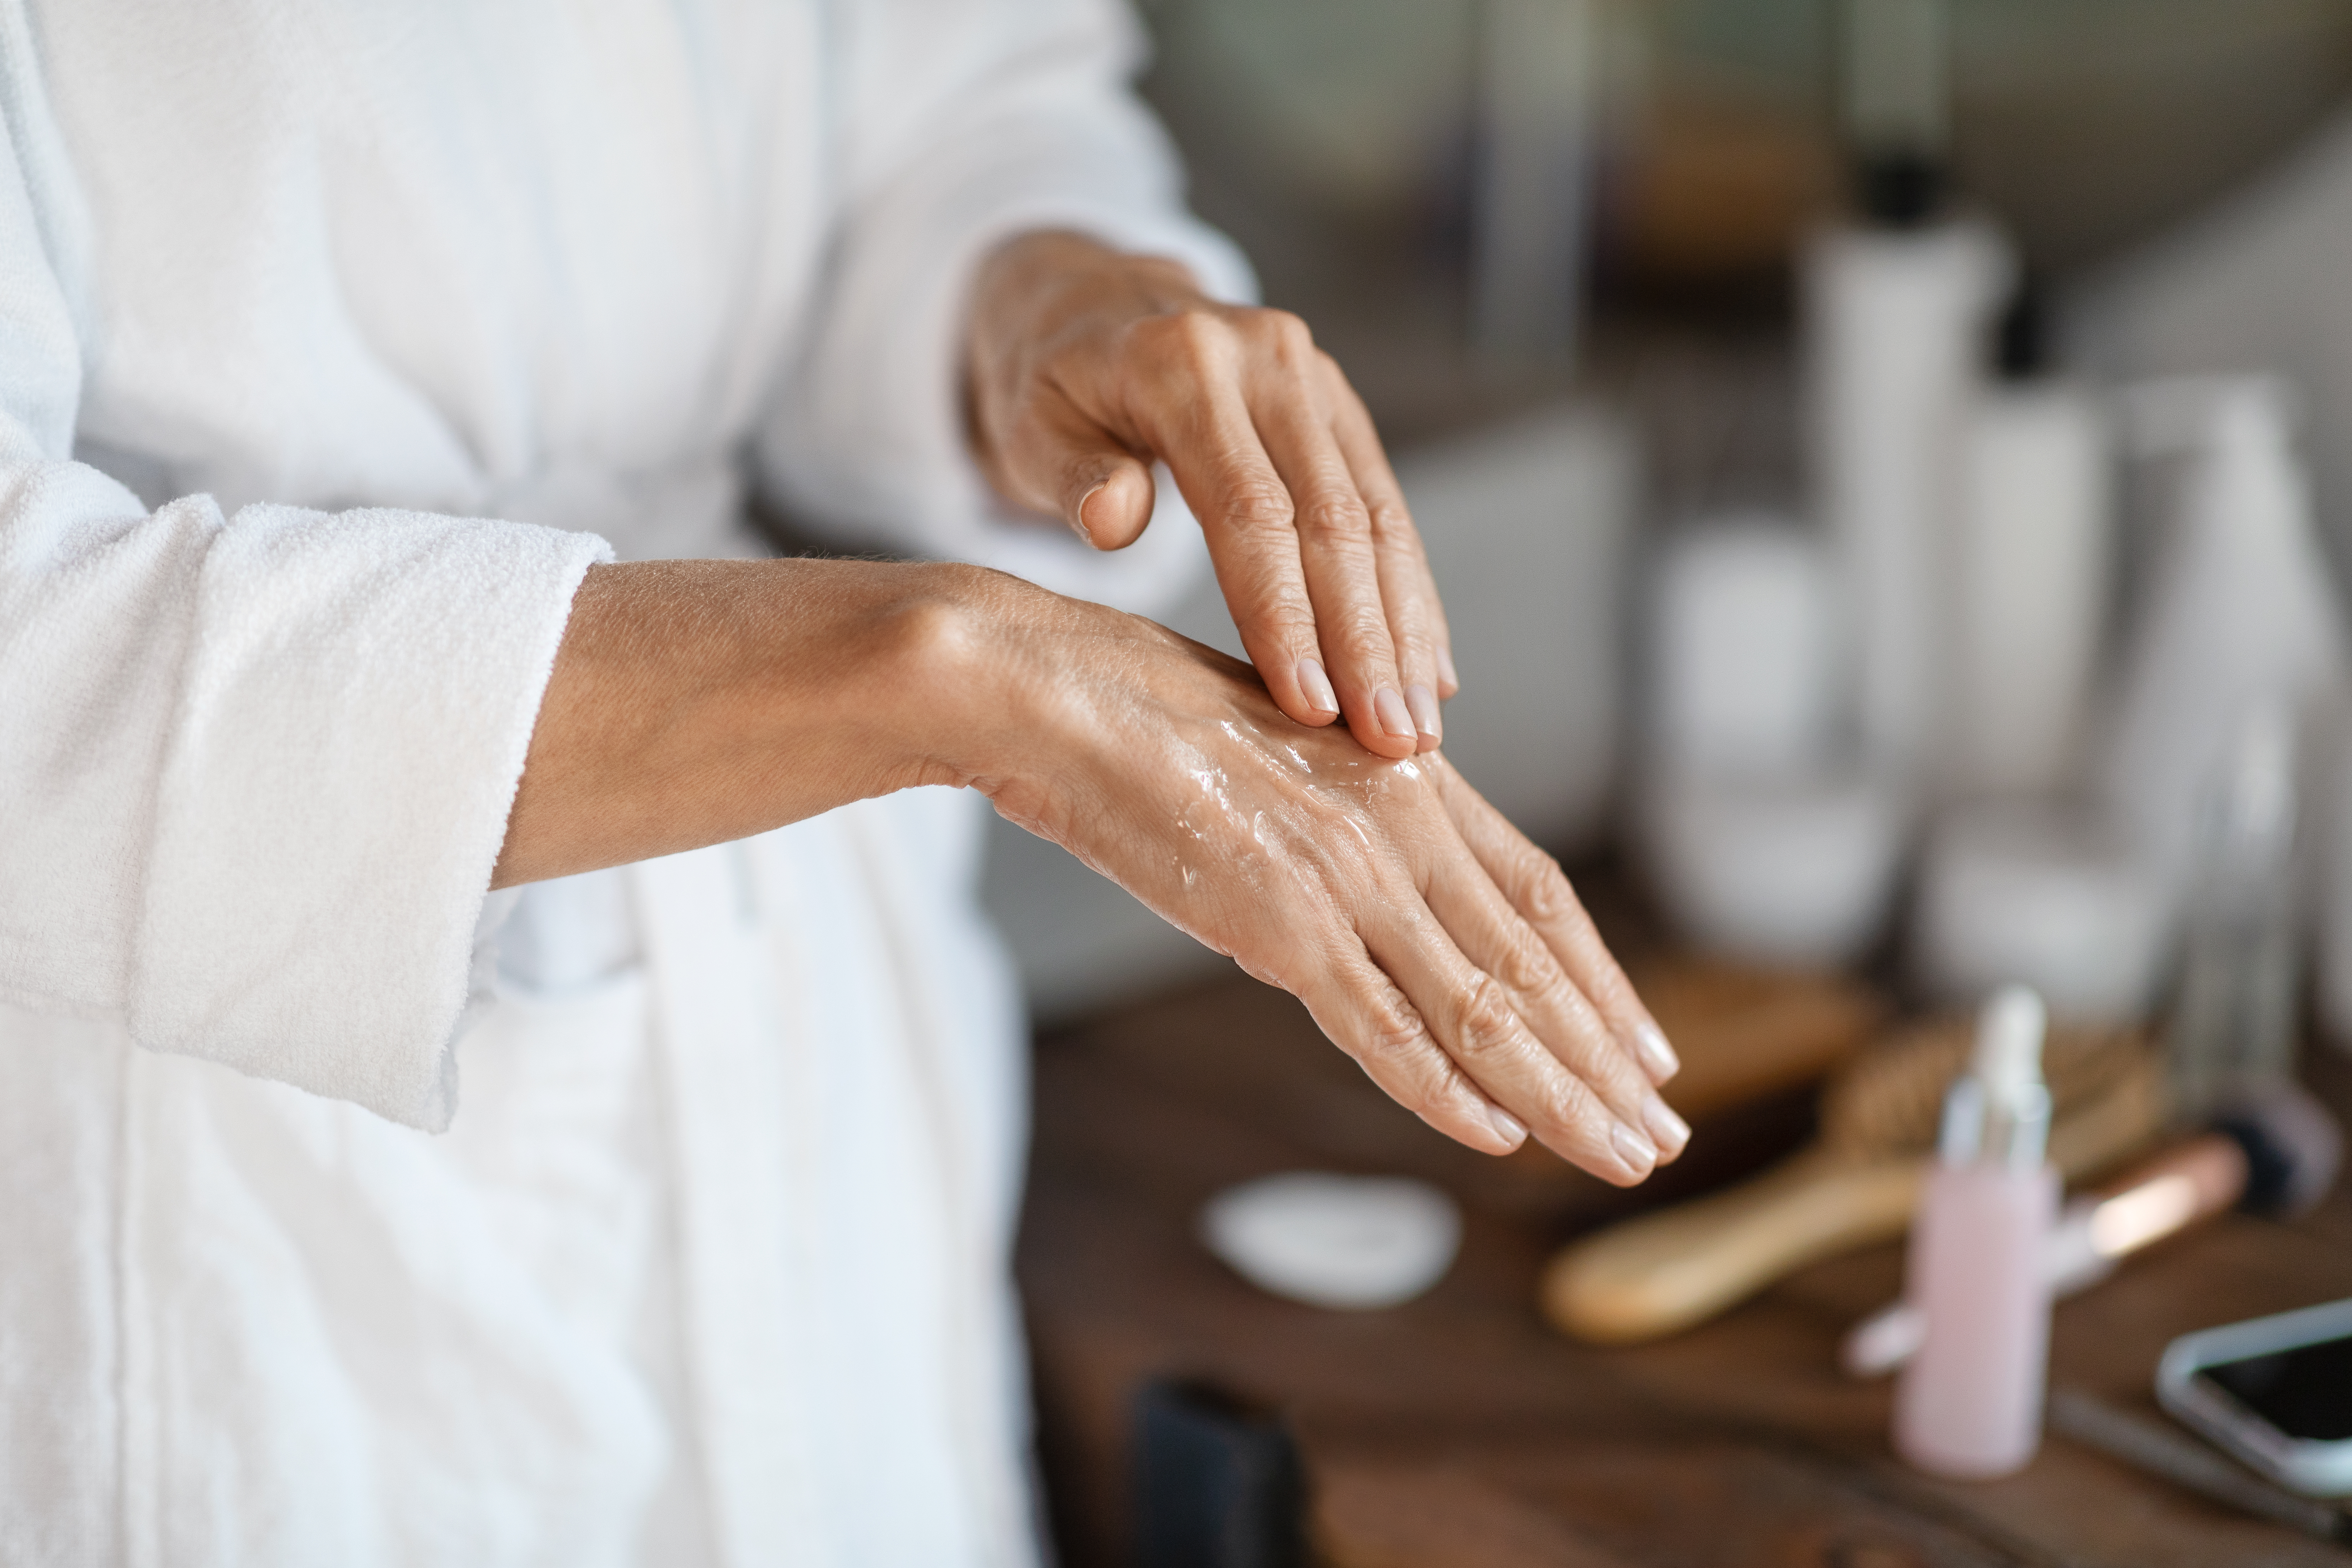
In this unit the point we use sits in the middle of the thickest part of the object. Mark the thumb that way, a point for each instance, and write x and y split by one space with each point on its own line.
1066 464
1060 461
1109 501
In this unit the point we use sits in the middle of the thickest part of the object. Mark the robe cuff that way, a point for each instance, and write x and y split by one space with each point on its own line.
357 705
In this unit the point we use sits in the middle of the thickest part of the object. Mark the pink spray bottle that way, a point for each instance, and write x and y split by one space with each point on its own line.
1969 1404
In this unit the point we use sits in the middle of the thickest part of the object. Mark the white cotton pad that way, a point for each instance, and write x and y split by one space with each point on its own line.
1356 1242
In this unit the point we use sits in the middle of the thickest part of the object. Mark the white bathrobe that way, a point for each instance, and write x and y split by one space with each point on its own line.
655 1216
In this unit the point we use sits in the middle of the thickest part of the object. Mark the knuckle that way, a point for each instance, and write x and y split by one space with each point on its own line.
1415 664
1258 504
1287 621
1334 517
1546 897
1486 1027
1363 632
1192 336
1396 1046
1525 968
1572 1107
1285 334
1391 521
1409 629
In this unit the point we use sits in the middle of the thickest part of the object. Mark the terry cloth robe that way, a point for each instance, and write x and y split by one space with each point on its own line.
347 1216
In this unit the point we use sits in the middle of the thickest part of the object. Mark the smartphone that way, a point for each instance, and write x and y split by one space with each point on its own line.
2277 1391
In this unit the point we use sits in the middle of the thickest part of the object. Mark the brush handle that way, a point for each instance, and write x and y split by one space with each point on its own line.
1671 1270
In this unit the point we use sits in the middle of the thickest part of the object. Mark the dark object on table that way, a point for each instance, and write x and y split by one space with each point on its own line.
2159 1449
1216 1481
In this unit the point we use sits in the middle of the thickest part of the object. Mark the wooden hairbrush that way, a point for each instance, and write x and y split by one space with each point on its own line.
1855 1184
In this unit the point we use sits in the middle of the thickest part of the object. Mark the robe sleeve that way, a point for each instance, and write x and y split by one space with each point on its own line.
255 769
959 125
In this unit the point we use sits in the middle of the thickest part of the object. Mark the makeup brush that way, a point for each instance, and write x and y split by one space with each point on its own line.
2274 1155
1857 1184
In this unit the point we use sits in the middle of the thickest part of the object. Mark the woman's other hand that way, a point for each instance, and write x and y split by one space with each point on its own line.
1086 363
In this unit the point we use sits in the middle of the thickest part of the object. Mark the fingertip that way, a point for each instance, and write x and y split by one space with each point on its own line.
1314 688
1448 682
1657 1057
1635 1153
1421 702
1470 1119
1668 1131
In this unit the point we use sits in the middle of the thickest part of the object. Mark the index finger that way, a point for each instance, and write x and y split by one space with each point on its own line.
1249 518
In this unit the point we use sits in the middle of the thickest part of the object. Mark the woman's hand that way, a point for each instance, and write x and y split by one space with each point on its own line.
1430 940
1087 364
697 701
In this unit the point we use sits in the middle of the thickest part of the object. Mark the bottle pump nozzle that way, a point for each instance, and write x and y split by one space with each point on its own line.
1999 1110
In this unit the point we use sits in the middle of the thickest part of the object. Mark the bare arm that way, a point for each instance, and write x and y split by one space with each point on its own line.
696 702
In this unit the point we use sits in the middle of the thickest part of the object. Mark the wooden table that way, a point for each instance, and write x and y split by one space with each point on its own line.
1459 1430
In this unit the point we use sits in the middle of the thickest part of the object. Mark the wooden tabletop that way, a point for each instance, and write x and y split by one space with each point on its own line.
1459 1430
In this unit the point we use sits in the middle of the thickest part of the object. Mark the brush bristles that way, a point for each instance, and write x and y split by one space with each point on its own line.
1888 1099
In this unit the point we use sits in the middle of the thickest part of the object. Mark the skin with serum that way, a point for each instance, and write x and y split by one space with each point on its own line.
1969 1404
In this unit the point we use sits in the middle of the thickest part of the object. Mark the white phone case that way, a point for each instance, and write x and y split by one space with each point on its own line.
2314 1468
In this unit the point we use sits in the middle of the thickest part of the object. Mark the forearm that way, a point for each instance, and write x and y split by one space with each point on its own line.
694 702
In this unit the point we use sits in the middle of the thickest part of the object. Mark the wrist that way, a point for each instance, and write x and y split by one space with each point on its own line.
962 656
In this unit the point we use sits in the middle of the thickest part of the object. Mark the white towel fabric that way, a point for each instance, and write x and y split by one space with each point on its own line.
335 343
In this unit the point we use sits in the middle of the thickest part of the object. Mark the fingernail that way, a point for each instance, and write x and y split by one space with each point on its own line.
1668 1131
1445 667
1657 1057
1634 1150
1389 710
1086 532
1316 686
1423 702
1513 1130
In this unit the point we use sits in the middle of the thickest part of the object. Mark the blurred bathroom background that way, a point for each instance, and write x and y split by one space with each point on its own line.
1889 465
